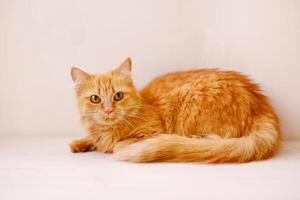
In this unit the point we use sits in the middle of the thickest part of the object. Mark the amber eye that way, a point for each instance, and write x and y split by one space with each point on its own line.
119 96
95 99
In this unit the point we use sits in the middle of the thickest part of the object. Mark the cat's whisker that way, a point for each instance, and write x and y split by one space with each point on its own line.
90 114
128 122
143 107
135 116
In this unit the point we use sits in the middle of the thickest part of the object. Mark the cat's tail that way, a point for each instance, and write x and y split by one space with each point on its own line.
260 144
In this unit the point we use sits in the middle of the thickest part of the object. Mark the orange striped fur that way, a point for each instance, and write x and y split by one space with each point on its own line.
204 115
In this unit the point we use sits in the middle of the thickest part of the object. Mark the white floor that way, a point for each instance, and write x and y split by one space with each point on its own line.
43 168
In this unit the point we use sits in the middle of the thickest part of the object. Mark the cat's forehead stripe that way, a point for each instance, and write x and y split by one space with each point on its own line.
104 84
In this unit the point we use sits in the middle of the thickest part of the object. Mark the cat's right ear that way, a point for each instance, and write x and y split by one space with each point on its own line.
126 65
78 76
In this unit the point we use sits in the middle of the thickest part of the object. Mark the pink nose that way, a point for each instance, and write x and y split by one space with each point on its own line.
108 111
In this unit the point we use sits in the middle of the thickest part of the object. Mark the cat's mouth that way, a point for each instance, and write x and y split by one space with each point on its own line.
111 120
108 120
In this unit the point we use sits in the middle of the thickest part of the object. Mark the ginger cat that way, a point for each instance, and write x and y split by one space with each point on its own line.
204 115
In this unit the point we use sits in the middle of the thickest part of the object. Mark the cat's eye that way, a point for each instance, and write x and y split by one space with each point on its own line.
119 96
95 99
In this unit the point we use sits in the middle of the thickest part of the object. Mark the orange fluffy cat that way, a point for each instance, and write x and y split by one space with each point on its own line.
204 115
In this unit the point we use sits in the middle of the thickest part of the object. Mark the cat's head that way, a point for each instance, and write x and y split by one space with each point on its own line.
106 98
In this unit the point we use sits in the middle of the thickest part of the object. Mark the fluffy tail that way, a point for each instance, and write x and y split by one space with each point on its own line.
259 144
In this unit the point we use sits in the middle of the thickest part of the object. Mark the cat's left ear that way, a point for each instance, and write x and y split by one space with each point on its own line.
78 76
126 65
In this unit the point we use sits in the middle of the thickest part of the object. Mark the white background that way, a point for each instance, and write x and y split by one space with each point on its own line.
41 39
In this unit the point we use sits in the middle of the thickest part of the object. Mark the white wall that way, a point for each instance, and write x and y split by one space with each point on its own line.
41 39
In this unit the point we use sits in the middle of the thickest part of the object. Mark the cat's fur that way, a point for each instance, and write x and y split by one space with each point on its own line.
204 115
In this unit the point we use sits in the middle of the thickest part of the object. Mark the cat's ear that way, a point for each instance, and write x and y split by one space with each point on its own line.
126 65
78 76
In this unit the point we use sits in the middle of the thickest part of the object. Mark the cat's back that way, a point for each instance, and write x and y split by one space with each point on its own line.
203 80
189 98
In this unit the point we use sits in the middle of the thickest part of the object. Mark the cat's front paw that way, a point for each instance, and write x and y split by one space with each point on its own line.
81 146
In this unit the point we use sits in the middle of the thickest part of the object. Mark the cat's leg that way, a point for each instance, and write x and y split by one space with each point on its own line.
83 145
149 129
124 143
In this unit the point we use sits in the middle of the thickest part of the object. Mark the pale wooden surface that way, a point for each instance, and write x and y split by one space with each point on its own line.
42 168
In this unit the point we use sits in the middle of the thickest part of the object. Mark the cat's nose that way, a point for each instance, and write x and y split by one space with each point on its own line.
108 111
